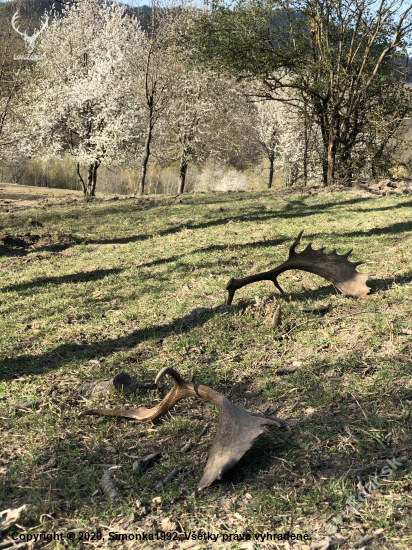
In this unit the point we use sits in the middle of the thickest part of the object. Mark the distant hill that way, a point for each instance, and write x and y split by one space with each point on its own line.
31 12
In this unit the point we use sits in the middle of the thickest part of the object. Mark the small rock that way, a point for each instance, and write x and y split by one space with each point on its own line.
297 364
310 411
122 382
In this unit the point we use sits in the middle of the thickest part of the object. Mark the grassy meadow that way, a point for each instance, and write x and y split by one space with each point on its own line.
131 285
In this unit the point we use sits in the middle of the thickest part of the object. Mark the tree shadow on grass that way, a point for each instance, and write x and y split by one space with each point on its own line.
286 213
12 367
217 248
383 208
379 285
82 277
394 229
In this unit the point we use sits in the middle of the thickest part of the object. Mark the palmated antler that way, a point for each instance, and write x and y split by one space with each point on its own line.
236 431
333 267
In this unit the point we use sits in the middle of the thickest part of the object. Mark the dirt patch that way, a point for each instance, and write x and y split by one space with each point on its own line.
13 197
385 187
59 239
22 241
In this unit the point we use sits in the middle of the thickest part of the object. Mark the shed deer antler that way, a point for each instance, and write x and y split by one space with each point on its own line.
236 431
29 40
333 267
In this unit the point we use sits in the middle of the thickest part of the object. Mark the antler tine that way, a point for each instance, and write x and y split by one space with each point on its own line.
173 373
13 21
295 243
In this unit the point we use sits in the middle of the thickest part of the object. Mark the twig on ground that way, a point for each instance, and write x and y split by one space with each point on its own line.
170 476
202 433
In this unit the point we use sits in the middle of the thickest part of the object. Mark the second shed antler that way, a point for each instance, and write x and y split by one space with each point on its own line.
333 267
236 431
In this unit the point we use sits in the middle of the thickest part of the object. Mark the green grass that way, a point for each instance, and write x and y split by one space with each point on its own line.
111 287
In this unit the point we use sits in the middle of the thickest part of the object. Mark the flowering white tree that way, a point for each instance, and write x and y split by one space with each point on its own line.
83 102
279 135
286 137
198 112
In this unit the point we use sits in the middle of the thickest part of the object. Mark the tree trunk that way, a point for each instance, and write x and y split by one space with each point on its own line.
146 152
81 180
182 173
94 178
89 188
305 149
333 141
271 160
332 147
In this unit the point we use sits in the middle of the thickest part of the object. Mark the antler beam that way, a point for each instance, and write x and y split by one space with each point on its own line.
236 431
333 267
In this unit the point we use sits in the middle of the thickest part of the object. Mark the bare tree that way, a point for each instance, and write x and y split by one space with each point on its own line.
153 73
